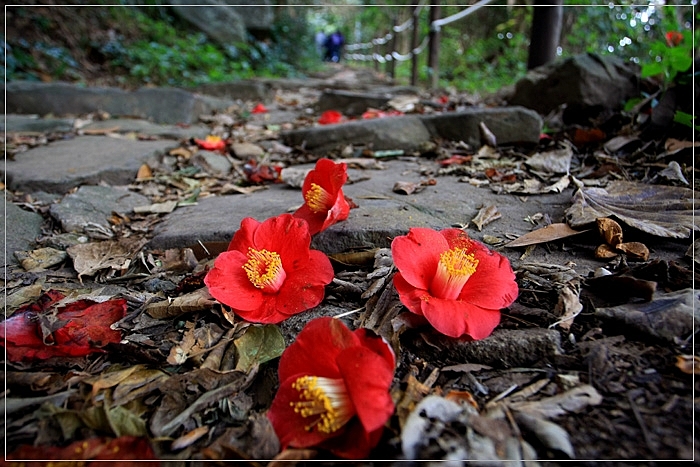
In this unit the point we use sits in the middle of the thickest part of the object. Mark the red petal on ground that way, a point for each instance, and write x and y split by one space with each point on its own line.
329 117
417 254
368 377
286 235
123 449
259 109
243 238
228 283
211 143
84 328
305 287
492 286
316 348
456 318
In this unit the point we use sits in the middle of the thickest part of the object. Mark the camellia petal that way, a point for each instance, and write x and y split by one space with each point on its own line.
417 254
494 287
329 117
228 283
455 318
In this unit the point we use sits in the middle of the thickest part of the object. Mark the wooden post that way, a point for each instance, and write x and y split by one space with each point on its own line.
544 36
391 65
414 45
433 47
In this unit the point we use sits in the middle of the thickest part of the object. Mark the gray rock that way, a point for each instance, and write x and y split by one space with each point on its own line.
505 348
94 204
407 133
212 163
21 228
410 132
587 83
510 125
144 127
62 165
32 123
245 90
163 105
350 103
220 23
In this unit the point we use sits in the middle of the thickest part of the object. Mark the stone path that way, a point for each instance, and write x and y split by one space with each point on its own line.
101 166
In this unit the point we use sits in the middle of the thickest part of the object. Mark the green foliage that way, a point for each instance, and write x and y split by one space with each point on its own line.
668 59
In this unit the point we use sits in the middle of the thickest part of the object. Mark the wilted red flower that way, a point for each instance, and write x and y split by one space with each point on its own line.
455 282
330 116
211 143
129 450
74 330
268 272
334 389
324 201
376 113
673 38
259 109
261 173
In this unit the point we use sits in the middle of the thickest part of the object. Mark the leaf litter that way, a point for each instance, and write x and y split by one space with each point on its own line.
185 379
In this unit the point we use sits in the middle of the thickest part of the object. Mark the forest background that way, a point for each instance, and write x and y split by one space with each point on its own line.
147 45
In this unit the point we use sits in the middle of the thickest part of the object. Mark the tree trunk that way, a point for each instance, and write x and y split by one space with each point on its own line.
434 47
545 33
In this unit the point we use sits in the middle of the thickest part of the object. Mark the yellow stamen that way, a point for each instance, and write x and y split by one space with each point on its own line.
264 269
454 269
325 399
317 198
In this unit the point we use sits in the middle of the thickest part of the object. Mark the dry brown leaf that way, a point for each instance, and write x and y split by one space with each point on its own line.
673 145
199 300
230 188
486 215
144 172
609 230
605 251
634 250
189 438
40 259
565 403
184 153
89 258
111 379
157 208
688 364
665 211
545 234
179 353
567 308
407 188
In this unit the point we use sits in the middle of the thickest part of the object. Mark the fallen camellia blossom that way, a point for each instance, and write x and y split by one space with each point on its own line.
456 283
259 109
324 201
269 273
376 113
211 143
128 450
329 117
334 389
261 173
74 330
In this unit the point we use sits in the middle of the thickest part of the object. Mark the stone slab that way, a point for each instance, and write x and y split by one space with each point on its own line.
245 90
383 214
350 103
162 105
144 127
21 229
32 123
85 160
94 204
509 124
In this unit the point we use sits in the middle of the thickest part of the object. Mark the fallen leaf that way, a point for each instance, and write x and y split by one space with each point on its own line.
688 364
571 401
567 308
189 438
408 188
258 345
157 208
199 300
144 173
664 211
548 433
636 251
609 230
556 161
89 258
605 251
586 136
40 259
486 215
129 451
545 234
487 136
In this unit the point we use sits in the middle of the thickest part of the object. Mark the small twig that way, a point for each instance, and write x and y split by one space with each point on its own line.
342 315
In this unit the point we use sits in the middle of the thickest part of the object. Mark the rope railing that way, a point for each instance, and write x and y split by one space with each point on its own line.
406 25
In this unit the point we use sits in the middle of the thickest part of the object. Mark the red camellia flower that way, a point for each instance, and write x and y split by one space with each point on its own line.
330 116
455 282
268 272
211 143
674 38
324 201
259 109
334 389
